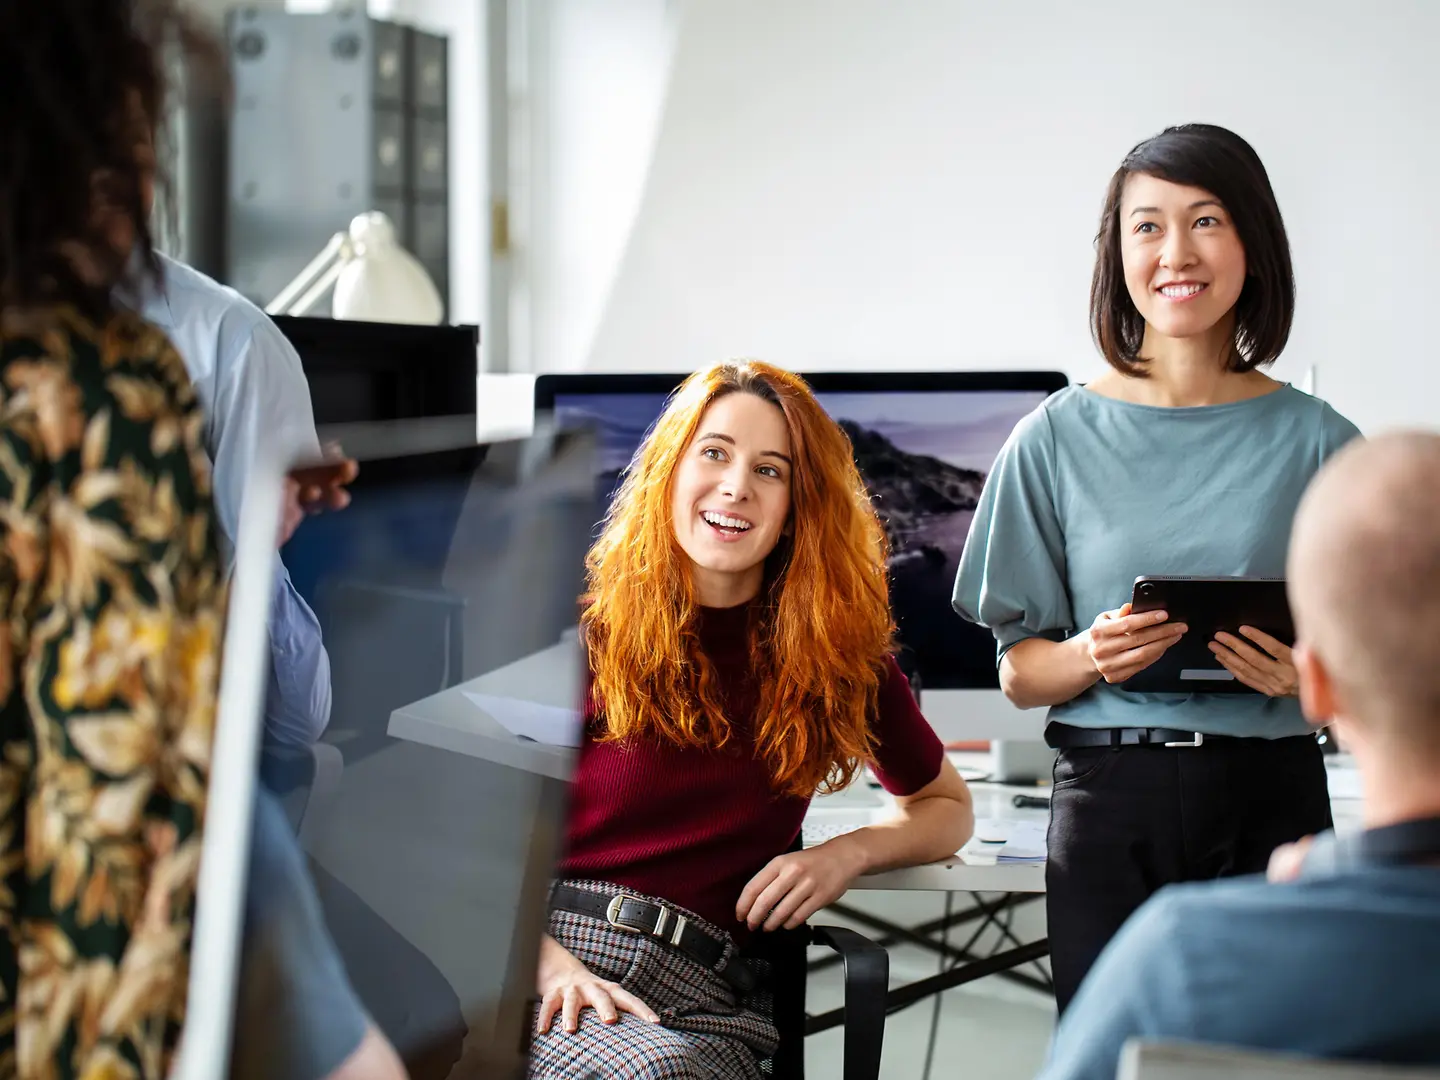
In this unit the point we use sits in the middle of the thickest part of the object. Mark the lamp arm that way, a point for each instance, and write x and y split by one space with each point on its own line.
326 266
315 292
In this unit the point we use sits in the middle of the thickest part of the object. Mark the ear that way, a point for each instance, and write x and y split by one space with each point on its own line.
1317 689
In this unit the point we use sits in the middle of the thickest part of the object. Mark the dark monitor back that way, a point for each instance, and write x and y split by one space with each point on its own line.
367 371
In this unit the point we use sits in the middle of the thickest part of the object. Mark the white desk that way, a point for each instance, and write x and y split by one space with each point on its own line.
969 871
450 721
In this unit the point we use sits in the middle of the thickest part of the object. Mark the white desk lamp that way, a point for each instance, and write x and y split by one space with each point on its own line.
375 279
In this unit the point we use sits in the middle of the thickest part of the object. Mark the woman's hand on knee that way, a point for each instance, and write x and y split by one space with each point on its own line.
566 986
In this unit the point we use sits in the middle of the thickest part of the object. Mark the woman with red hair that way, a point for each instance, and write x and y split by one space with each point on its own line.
739 634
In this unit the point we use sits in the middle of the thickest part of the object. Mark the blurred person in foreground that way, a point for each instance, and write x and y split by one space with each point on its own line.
112 584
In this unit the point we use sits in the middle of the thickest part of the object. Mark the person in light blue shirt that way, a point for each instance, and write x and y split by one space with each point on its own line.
1336 957
1183 459
252 390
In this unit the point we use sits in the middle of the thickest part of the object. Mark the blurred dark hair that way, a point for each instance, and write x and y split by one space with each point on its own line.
1222 163
82 83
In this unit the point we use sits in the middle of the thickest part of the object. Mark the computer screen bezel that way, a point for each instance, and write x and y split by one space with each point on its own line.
821 382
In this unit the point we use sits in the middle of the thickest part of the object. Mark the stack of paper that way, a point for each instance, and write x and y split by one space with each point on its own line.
1007 841
1026 842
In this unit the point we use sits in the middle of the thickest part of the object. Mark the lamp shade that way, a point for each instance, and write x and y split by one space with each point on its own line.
383 282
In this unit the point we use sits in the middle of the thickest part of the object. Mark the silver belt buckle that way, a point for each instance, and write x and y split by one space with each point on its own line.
1199 740
612 915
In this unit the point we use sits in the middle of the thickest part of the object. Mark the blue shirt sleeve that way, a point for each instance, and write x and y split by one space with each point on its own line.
1012 570
261 394
1335 432
297 703
1138 987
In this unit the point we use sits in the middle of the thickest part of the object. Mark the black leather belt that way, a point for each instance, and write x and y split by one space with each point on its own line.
636 916
1066 737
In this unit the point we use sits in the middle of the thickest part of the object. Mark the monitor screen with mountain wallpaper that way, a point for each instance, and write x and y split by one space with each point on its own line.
924 442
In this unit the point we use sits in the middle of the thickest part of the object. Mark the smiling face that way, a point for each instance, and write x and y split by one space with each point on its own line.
1184 263
730 496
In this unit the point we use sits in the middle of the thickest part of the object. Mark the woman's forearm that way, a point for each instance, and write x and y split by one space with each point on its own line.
925 830
1037 671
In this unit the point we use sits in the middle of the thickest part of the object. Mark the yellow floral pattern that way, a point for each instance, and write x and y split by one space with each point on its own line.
111 600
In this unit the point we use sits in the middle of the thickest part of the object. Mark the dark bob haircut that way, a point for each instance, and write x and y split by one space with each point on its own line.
1219 161
80 83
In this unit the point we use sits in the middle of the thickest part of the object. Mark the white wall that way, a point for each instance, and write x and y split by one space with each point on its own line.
593 82
916 183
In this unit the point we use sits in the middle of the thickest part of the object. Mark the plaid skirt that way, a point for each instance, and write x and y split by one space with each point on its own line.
706 1031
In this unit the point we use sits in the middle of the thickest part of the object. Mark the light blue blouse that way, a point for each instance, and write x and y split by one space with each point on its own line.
1089 493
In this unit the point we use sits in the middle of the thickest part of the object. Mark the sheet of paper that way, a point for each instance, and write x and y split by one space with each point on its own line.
1006 840
1026 842
548 724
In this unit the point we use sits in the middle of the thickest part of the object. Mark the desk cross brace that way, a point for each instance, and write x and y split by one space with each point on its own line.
923 935
907 995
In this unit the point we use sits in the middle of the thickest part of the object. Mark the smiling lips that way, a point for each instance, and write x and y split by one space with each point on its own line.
1180 291
725 526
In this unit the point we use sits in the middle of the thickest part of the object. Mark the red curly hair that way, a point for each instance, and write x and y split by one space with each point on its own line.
825 629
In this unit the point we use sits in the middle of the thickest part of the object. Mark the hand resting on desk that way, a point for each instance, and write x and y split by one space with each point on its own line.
929 824
794 886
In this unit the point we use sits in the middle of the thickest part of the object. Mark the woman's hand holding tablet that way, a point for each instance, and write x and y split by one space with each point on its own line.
1122 644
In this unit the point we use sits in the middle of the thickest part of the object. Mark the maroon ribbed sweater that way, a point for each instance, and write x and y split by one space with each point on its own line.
694 826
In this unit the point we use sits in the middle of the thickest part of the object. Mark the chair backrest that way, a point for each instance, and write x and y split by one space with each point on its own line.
362 623
1142 1059
785 957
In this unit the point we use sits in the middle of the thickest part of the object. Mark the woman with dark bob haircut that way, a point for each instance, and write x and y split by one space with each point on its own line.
1183 459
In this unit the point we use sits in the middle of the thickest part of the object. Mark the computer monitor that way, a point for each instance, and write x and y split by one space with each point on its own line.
431 851
924 443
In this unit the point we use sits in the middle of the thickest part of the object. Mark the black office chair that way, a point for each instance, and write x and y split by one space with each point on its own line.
390 644
867 978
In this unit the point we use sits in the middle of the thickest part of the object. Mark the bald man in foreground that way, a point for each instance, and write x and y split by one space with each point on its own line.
1338 955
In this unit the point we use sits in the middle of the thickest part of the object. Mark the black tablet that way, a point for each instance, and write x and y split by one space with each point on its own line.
1207 605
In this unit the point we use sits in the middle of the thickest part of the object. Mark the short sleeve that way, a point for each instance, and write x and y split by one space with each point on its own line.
1012 570
1335 432
907 751
261 397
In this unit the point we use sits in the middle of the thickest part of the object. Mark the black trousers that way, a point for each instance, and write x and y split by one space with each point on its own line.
1125 821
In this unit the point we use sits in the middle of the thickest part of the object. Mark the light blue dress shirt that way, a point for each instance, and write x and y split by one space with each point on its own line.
1089 493
251 388
1340 965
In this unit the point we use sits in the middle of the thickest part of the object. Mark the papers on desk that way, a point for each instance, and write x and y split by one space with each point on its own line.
548 724
1008 841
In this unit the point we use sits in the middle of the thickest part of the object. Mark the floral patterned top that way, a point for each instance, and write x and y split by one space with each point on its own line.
111 601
